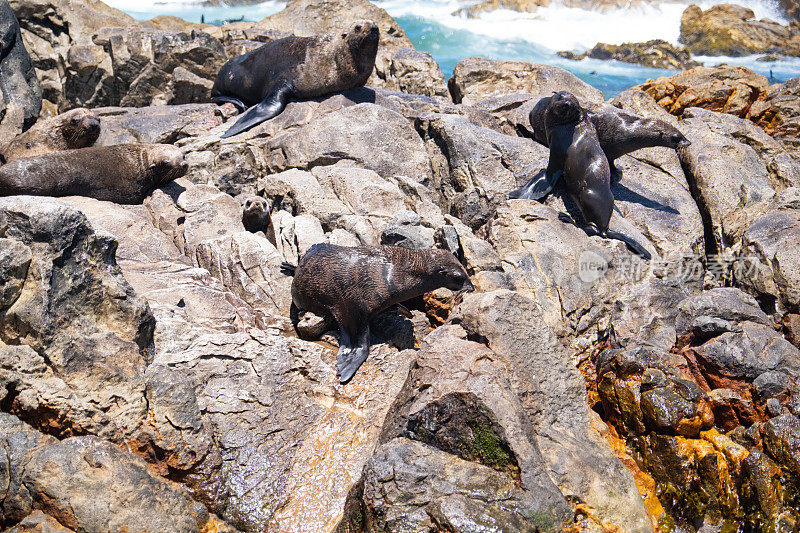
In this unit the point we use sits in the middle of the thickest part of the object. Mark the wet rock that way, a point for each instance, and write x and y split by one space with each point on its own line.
89 485
771 384
782 441
763 474
476 78
730 409
774 407
726 89
654 54
398 66
731 30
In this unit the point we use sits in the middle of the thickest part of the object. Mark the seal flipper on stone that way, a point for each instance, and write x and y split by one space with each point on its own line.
538 187
353 349
269 107
238 104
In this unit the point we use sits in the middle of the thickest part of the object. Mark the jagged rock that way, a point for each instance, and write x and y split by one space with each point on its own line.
552 392
475 78
731 30
169 22
782 441
21 94
654 54
726 89
723 305
165 124
405 230
38 522
89 484
779 114
398 66
640 103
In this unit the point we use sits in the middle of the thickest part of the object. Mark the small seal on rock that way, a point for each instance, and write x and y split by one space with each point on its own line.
125 173
575 152
354 284
255 217
20 92
295 67
78 128
618 132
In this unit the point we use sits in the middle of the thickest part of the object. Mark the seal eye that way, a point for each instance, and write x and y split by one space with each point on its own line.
74 121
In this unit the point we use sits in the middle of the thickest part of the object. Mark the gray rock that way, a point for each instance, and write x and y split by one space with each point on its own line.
21 93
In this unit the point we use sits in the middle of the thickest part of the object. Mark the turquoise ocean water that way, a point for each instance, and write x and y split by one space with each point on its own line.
433 27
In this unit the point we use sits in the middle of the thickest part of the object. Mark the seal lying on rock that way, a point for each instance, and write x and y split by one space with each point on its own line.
78 128
125 173
20 92
575 152
295 67
354 284
618 132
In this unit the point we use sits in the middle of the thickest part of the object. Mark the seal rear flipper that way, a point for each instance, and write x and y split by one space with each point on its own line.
269 107
351 355
637 248
538 187
229 100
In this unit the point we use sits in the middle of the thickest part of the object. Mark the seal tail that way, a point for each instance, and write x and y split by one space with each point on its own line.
288 269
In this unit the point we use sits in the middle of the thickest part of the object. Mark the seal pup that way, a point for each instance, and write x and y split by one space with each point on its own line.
295 68
354 284
576 154
255 217
20 92
618 132
78 128
124 174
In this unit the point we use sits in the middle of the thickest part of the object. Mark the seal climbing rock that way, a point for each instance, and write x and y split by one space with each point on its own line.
354 284
125 173
20 92
295 67
78 128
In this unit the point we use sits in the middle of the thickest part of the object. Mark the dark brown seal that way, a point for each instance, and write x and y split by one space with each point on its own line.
354 284
295 67
125 173
255 217
618 132
575 153
78 128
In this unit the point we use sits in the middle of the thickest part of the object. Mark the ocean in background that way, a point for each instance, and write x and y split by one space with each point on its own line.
503 34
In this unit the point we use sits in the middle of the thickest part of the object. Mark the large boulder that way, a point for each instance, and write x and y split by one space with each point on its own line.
779 114
398 66
20 92
476 78
731 30
654 54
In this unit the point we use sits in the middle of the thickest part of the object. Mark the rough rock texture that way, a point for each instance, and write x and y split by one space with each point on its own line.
726 89
398 66
655 54
779 114
731 30
476 78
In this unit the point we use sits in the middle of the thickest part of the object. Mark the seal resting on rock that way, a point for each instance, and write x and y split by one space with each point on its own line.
255 217
124 174
20 92
354 284
618 132
295 67
575 153
78 128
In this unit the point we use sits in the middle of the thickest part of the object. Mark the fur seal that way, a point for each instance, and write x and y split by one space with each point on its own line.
295 67
125 173
78 128
575 153
20 92
618 132
354 284
255 217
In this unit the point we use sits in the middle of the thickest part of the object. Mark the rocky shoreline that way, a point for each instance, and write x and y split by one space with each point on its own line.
151 378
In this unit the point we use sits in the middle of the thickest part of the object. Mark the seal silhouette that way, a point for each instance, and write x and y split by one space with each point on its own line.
78 128
575 153
295 67
354 284
20 92
618 132
125 173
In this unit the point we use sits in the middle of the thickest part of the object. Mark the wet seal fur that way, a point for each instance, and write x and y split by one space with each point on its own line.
124 174
575 153
255 218
20 92
78 128
618 132
354 284
295 68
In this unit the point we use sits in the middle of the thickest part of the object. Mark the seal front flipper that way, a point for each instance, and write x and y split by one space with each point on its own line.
352 353
538 187
229 100
269 107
